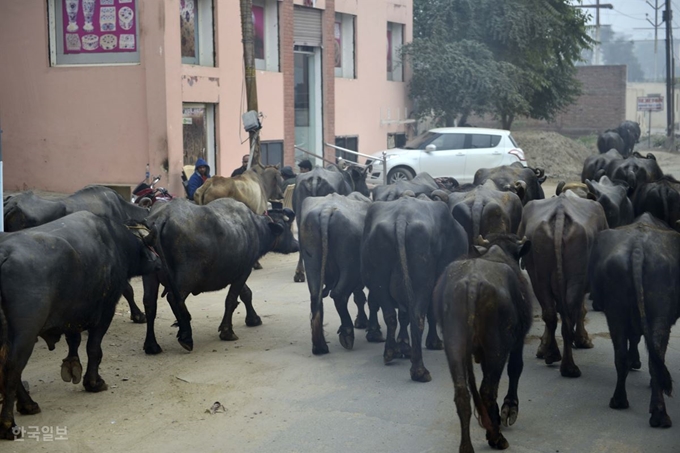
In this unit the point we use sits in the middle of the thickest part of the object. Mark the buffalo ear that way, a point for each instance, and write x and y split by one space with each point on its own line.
521 188
479 240
477 250
277 229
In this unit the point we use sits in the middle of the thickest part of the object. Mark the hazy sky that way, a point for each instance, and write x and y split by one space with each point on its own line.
629 17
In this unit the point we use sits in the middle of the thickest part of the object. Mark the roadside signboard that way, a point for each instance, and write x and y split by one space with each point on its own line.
650 103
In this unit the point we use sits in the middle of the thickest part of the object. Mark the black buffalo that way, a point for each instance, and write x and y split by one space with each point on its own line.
629 131
207 248
406 245
320 182
634 170
423 183
635 274
561 230
330 244
484 306
524 181
62 277
27 210
611 139
614 200
594 166
485 210
660 198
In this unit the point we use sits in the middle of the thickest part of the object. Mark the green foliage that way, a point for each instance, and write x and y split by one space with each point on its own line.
507 58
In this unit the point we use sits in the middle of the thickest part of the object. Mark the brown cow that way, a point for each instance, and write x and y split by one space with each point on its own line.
253 188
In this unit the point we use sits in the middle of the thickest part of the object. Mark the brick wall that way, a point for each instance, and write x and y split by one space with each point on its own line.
288 70
602 105
328 78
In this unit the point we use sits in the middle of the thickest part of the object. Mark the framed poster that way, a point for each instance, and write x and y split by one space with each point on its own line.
98 26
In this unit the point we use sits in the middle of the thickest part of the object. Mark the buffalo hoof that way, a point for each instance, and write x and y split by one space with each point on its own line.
253 321
597 306
570 371
31 408
635 365
660 419
583 343
138 318
550 355
346 338
361 322
509 414
388 355
375 336
499 443
228 335
9 431
320 349
299 277
420 374
186 342
618 403
404 349
257 266
152 349
71 370
97 386
434 345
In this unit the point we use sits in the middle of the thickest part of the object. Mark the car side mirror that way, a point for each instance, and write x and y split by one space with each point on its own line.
430 148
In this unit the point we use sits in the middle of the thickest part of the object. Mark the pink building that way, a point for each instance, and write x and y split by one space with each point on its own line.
93 90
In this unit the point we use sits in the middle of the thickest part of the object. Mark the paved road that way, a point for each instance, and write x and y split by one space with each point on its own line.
281 398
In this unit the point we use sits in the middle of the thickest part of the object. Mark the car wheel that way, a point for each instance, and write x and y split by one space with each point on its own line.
399 174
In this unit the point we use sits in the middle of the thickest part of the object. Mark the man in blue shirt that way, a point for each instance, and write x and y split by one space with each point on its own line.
201 173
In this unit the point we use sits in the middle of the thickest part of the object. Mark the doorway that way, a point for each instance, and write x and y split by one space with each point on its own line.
308 111
198 131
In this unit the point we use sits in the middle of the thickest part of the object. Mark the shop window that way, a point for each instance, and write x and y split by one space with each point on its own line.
271 153
196 32
351 143
266 33
87 32
344 46
395 39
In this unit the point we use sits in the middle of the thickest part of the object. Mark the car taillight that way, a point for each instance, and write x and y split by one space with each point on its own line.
518 153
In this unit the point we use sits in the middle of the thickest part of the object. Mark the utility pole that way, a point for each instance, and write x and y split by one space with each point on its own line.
656 24
670 76
598 6
250 75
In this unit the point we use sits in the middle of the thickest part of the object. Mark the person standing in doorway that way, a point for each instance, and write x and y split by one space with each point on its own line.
201 174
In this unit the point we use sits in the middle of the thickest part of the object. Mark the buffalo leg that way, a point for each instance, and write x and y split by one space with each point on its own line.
92 381
71 369
617 330
403 340
373 333
299 271
226 328
581 340
488 392
19 352
548 349
568 368
319 345
433 342
346 330
246 296
136 315
510 408
25 405
661 380
361 321
457 365
151 286
418 371
387 306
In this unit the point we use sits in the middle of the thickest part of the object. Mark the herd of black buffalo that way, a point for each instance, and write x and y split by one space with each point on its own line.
424 249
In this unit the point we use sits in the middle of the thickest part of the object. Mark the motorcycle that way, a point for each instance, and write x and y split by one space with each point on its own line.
145 195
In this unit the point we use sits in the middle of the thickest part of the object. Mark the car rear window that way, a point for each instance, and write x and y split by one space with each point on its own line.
512 140
484 141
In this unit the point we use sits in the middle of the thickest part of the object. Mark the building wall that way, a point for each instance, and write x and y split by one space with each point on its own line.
364 103
66 127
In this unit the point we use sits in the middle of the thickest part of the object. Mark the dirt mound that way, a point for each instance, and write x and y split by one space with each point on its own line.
561 157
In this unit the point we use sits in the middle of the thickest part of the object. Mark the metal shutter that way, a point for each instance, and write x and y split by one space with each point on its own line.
307 30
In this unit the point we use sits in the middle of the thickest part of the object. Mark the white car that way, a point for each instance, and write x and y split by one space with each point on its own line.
456 152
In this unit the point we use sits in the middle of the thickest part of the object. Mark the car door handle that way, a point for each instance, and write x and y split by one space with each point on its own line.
460 154
497 153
